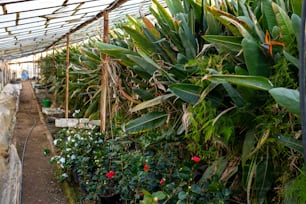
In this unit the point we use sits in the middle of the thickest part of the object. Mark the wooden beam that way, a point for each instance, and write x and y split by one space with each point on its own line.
67 78
104 77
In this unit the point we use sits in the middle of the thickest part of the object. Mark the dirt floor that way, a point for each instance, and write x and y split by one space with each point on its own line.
39 183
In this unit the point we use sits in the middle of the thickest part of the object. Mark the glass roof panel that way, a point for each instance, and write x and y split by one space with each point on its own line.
7 17
7 24
31 5
76 1
35 25
100 5
66 19
89 9
25 26
30 21
67 8
36 13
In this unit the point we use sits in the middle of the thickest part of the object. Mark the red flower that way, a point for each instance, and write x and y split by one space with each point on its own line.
196 159
162 181
110 174
146 167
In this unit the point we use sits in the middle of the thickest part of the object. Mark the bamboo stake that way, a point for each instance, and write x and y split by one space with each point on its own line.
67 78
104 77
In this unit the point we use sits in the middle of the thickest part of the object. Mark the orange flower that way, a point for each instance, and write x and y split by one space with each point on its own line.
270 43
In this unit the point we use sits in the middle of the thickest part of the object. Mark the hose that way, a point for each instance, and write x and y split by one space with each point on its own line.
302 78
23 154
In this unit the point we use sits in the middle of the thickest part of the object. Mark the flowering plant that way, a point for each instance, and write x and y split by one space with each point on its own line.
186 185
85 156
133 167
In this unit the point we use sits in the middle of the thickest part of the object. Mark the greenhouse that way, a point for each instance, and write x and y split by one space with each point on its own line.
152 101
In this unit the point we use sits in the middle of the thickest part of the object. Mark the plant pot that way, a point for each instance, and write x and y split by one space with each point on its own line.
110 199
46 103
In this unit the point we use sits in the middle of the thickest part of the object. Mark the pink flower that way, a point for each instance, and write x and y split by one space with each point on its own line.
110 174
196 159
146 167
162 181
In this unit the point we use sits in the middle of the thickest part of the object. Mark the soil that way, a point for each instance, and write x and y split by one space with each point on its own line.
39 184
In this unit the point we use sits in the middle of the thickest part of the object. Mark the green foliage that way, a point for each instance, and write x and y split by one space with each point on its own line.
295 191
207 127
147 122
177 96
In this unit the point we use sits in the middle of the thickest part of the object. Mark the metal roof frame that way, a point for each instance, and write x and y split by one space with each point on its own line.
32 26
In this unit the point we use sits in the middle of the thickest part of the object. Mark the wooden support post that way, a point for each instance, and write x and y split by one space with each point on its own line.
40 67
104 77
53 75
67 78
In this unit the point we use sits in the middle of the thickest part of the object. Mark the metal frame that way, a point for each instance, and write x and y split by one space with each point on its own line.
29 26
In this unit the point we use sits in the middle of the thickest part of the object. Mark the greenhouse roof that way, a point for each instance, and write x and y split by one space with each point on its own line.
32 26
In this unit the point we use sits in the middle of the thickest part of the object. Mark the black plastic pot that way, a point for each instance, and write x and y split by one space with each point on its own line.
111 199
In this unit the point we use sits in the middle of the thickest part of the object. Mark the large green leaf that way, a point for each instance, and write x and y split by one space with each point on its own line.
296 7
234 94
117 52
175 7
230 43
143 94
226 19
257 27
255 82
153 102
140 40
161 45
187 92
146 122
285 24
248 146
292 143
254 58
163 14
263 179
296 24
91 55
291 59
145 65
216 168
288 98
243 28
187 37
269 14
